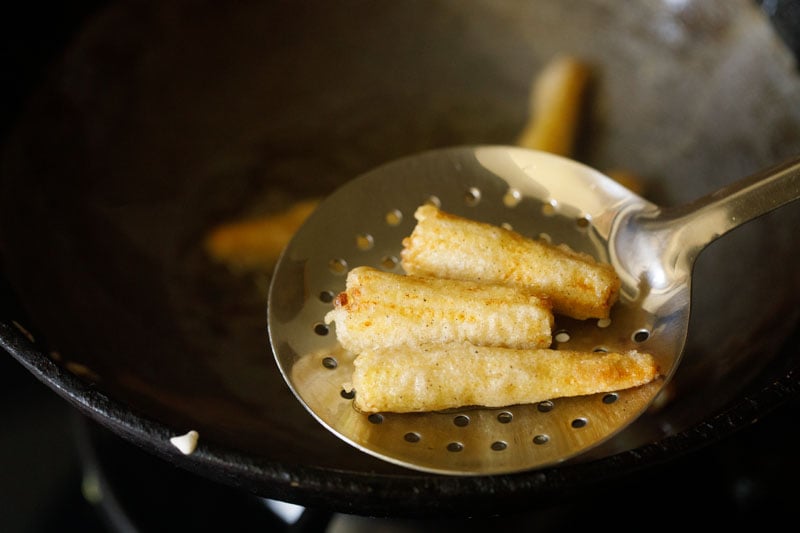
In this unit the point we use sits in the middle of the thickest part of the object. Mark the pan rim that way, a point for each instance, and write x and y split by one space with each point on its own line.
415 494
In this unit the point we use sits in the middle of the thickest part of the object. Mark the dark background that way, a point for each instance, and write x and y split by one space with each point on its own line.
50 456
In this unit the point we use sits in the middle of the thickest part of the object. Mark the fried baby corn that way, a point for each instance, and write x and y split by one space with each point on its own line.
448 246
556 103
255 244
439 377
380 309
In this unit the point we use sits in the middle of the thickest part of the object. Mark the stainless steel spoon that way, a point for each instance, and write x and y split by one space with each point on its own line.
537 194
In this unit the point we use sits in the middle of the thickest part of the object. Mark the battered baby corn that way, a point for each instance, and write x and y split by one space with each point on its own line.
556 106
255 244
380 309
448 246
441 377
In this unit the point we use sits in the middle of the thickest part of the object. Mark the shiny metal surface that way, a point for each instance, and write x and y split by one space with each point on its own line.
538 195
163 120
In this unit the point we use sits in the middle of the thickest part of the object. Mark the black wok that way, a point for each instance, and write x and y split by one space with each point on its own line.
161 120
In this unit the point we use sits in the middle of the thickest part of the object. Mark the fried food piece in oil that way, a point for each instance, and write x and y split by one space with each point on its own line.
255 244
556 106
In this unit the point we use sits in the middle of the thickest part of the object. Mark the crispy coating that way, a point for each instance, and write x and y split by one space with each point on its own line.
380 309
255 244
448 246
556 105
442 377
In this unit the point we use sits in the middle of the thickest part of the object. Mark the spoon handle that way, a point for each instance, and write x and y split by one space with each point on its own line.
708 218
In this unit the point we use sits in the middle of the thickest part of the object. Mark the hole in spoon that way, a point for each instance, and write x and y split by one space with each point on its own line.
411 437
512 198
321 329
394 217
365 241
541 439
472 196
389 262
579 423
434 201
641 335
337 266
461 421
545 406
610 398
326 296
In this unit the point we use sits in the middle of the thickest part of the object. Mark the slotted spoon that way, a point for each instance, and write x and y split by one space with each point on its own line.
653 249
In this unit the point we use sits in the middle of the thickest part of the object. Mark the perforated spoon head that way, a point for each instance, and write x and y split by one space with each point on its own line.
536 194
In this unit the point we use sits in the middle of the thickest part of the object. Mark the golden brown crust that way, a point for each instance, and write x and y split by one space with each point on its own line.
438 377
256 244
449 246
381 309
556 106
